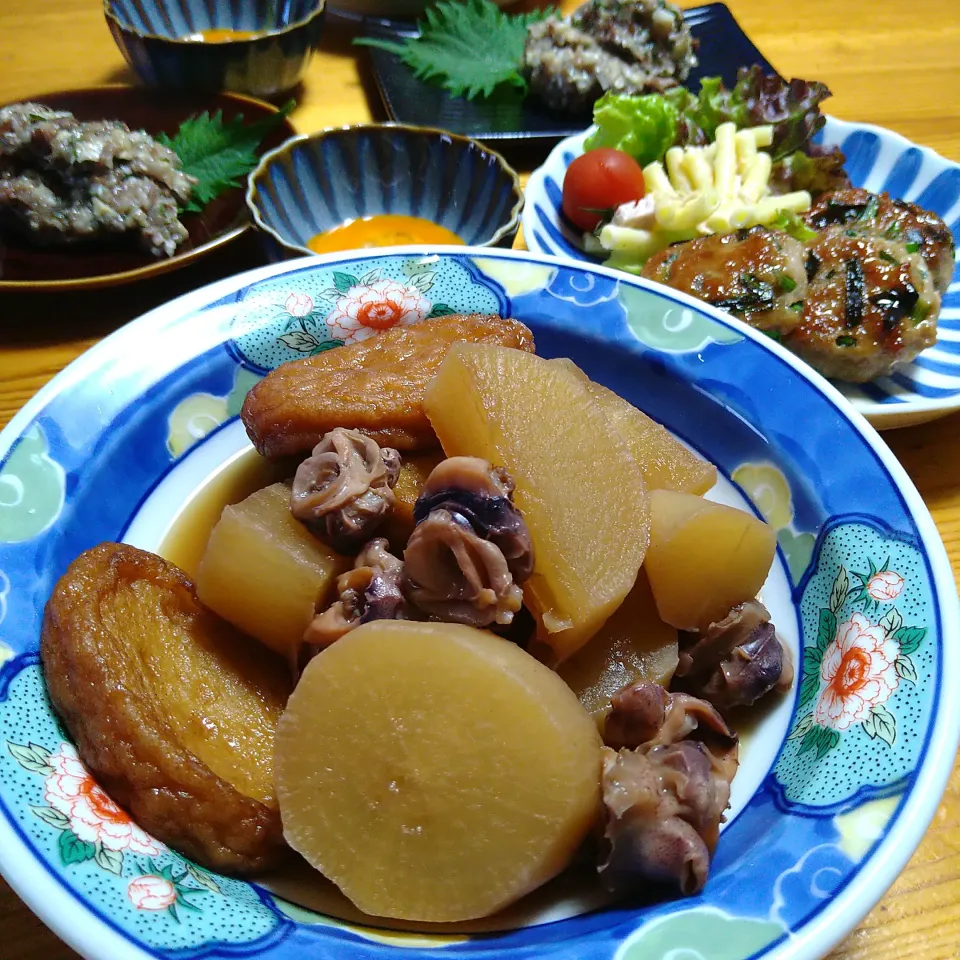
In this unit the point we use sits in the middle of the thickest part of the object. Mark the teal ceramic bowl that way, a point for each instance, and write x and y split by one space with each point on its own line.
316 182
160 41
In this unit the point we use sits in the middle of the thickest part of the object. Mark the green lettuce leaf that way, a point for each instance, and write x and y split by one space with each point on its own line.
646 126
643 126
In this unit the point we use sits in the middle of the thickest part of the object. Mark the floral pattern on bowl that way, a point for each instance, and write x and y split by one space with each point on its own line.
332 308
869 671
822 813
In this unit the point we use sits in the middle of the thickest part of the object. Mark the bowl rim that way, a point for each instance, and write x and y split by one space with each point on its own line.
149 270
511 225
113 19
874 874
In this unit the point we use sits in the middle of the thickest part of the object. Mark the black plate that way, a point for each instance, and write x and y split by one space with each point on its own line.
724 47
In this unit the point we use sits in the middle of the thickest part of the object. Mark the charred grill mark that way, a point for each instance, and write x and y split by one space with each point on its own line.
854 292
896 304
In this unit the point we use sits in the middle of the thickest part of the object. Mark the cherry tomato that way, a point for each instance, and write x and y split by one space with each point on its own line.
597 182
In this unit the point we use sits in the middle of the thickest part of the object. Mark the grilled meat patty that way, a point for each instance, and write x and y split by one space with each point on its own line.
882 216
871 306
757 275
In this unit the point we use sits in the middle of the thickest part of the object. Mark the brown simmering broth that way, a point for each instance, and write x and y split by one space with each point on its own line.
186 541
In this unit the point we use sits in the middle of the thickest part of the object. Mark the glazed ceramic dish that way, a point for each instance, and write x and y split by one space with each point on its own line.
319 181
838 781
877 159
724 47
152 36
25 266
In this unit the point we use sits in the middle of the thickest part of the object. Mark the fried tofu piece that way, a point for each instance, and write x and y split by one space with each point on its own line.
172 710
375 386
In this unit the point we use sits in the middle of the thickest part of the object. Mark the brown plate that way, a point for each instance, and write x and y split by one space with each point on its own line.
26 266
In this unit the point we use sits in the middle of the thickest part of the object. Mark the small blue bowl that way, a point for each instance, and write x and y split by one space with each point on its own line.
159 39
319 181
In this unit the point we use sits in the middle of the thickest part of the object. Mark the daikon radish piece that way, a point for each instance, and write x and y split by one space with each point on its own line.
666 464
704 558
265 572
579 490
433 771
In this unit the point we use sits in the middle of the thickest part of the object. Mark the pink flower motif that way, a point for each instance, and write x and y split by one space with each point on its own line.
151 892
366 309
859 671
92 814
885 586
298 305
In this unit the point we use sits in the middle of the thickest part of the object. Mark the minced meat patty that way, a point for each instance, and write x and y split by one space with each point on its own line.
624 46
883 216
62 180
757 275
871 306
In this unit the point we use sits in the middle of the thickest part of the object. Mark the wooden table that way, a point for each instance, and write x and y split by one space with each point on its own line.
885 63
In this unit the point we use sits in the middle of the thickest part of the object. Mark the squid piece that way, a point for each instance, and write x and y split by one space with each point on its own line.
344 490
471 548
665 789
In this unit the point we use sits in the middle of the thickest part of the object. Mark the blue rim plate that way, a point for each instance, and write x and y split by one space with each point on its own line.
839 780
877 159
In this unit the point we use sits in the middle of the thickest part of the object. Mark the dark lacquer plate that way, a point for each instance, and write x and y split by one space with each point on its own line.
724 47
26 266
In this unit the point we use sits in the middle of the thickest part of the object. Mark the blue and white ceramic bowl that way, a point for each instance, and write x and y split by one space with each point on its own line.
152 35
321 180
878 160
838 781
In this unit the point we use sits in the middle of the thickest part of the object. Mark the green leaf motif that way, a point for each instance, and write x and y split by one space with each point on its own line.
838 595
326 345
810 684
51 817
826 629
906 669
300 341
111 860
31 757
73 849
819 739
219 154
344 281
881 724
203 878
891 621
828 740
803 727
422 281
440 310
469 48
910 638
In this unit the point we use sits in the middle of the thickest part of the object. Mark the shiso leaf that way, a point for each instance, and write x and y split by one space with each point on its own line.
219 154
470 48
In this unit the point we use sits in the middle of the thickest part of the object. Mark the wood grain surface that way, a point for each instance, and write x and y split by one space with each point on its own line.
887 63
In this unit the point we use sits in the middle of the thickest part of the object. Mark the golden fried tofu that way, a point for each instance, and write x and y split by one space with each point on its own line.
375 386
172 710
